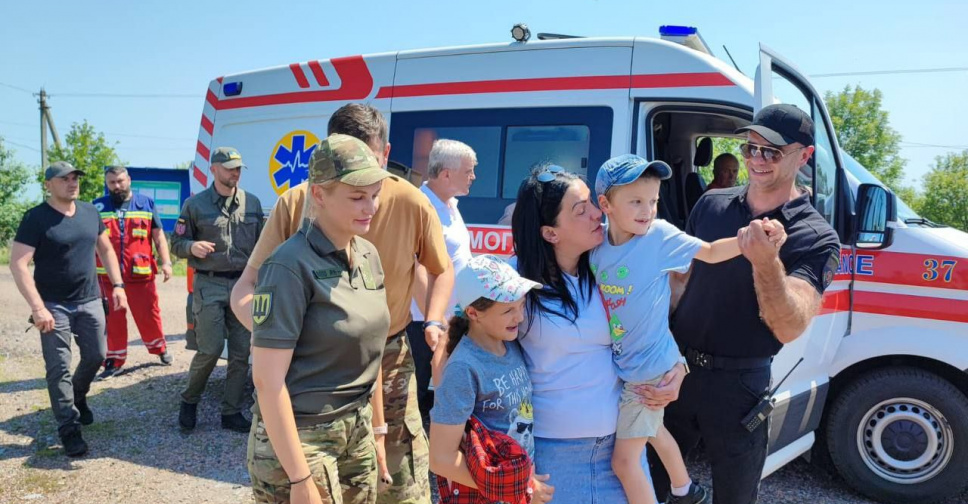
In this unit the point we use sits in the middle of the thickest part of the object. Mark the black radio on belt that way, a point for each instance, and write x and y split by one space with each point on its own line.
765 406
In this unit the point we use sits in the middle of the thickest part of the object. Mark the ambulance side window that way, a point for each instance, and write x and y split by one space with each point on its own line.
531 146
508 142
486 142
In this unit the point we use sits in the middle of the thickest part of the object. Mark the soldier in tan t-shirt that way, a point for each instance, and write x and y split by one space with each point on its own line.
405 230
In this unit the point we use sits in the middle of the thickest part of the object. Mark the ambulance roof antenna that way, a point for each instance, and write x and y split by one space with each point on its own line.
556 36
731 59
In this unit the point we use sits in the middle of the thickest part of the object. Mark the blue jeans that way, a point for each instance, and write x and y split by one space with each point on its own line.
581 469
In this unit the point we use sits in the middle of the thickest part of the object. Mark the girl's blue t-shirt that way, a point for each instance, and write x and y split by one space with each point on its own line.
494 389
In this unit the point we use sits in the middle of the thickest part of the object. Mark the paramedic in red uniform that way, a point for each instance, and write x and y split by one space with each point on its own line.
133 223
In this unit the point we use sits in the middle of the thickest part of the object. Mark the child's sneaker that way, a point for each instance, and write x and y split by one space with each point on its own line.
697 495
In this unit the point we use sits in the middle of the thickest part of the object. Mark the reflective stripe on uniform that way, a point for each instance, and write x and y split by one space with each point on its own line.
139 233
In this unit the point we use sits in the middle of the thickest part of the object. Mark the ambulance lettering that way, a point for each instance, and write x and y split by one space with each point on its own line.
864 264
491 240
936 269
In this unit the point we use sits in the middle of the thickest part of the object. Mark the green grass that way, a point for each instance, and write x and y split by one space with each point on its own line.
179 267
5 255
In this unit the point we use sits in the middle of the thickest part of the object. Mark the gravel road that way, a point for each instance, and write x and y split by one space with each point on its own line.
137 452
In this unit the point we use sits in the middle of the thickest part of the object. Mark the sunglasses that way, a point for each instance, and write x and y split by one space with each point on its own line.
521 427
769 154
549 174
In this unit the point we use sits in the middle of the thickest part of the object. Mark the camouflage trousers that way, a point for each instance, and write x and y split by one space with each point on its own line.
341 455
408 453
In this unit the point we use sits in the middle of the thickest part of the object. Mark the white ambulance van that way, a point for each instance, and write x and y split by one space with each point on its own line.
883 384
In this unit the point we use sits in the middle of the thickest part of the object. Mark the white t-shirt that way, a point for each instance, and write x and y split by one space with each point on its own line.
576 386
456 237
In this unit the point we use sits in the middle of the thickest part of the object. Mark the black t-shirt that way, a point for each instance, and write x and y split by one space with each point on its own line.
64 266
718 313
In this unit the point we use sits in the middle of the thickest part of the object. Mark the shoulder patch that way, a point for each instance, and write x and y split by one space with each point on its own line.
830 269
180 227
261 307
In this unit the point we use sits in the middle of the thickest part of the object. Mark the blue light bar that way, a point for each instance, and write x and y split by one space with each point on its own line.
232 88
677 31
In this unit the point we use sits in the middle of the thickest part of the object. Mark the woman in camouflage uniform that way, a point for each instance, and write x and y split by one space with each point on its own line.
320 323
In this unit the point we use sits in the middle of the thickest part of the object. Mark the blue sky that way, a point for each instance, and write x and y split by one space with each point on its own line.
176 47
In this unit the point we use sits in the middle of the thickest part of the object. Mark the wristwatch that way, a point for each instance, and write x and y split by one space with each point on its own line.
434 323
118 286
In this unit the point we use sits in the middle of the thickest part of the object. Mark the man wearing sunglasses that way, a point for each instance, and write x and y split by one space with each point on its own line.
733 318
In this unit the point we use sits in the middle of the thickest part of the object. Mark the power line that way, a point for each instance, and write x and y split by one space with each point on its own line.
115 95
891 72
20 145
152 137
18 88
917 144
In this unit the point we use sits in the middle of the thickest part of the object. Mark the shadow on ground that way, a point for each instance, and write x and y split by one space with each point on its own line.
137 423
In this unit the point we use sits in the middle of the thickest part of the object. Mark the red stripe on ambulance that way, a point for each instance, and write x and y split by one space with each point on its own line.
318 73
356 84
300 76
557 84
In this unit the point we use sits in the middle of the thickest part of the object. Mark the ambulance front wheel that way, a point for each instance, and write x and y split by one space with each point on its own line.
900 435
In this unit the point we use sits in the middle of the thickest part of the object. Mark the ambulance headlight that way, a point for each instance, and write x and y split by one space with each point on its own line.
520 32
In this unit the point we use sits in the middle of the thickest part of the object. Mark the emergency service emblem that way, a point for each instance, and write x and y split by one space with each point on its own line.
180 227
289 160
261 307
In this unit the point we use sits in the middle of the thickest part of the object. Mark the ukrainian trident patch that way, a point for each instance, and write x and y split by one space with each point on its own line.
261 307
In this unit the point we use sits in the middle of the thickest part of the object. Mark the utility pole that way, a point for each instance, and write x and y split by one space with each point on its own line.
46 122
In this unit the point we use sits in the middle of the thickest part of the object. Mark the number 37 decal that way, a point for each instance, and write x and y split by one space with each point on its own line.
939 269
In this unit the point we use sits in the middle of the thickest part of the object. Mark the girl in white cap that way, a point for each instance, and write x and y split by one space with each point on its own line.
486 376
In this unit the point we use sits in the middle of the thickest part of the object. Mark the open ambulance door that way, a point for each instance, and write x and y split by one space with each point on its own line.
801 398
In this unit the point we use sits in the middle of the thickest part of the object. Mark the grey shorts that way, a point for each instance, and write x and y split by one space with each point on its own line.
634 419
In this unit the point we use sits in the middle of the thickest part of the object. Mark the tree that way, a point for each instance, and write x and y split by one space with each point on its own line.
864 130
89 152
14 177
945 198
723 145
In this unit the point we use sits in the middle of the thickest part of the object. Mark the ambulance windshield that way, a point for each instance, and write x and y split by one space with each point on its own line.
857 175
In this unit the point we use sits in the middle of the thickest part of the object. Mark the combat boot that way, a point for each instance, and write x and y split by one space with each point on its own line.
236 422
188 416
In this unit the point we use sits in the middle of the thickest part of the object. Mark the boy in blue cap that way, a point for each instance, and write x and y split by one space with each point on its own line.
632 267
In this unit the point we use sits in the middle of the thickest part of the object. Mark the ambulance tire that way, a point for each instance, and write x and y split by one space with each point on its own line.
914 444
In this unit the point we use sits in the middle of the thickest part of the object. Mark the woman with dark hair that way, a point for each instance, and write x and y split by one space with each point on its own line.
566 339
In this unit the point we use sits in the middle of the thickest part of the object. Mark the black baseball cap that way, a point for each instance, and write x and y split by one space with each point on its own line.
60 169
782 124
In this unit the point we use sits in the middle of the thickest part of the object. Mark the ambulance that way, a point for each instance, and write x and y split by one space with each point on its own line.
881 392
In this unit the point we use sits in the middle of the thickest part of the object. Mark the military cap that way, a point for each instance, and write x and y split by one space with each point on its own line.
228 157
347 159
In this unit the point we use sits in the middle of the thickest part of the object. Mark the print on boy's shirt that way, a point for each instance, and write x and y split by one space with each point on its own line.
608 291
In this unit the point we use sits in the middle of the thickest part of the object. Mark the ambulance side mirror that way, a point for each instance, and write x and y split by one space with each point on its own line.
876 207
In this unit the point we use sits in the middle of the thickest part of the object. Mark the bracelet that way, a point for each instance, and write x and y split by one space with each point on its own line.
434 323
381 430
310 475
118 286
